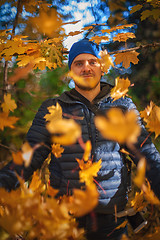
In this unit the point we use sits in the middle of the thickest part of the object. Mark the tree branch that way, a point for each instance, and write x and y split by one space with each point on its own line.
5 73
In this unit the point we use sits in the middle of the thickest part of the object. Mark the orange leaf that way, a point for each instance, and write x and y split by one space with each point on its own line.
21 73
57 150
65 131
119 127
83 202
55 113
126 58
122 37
86 175
141 172
48 22
51 191
6 121
120 89
151 116
87 152
27 153
106 61
8 104
135 8
17 158
36 182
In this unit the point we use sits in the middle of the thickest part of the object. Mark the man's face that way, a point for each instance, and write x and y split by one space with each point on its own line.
88 67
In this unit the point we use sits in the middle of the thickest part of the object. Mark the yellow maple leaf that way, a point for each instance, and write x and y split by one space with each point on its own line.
121 88
98 39
84 164
21 73
83 202
8 104
57 150
138 202
48 22
55 113
135 8
27 153
151 116
88 147
126 58
51 191
122 37
141 172
6 121
149 194
147 13
118 126
36 183
106 61
86 175
64 131
17 158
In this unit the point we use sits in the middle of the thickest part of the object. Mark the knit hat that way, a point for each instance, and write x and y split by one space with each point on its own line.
83 46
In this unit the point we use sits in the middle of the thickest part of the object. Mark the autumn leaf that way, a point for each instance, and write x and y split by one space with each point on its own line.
98 39
149 194
141 172
8 104
151 116
36 183
126 58
122 37
138 201
57 150
122 225
55 113
48 22
86 175
83 202
120 89
27 153
21 73
117 28
147 13
87 152
74 33
51 191
106 61
135 8
6 121
17 158
64 131
119 127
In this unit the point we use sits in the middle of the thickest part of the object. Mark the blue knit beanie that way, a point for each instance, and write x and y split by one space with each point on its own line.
83 46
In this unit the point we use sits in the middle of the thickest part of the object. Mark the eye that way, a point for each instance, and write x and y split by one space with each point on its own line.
78 64
93 62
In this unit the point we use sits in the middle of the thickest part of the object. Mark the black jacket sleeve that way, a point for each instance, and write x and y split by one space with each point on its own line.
36 134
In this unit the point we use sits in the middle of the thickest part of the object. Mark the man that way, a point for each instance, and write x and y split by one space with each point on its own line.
84 102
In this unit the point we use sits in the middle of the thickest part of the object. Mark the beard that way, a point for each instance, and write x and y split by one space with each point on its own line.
88 86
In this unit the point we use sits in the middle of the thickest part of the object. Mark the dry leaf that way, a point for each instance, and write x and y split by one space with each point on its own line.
86 175
135 8
119 127
65 131
55 113
83 202
17 158
151 116
48 22
6 121
21 73
138 202
120 89
122 37
27 153
88 147
106 61
126 58
8 104
57 150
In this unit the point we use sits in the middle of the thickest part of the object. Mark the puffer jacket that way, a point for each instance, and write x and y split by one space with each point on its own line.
64 174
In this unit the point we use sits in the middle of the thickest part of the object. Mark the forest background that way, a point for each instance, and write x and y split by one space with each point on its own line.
35 37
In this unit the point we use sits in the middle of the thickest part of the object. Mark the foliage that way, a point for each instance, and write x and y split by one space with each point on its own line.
32 55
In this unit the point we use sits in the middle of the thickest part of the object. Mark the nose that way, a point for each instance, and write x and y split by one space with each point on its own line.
86 67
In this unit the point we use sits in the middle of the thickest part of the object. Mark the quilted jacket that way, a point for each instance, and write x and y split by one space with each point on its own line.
64 175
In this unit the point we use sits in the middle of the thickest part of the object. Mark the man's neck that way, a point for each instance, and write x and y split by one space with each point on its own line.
89 94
